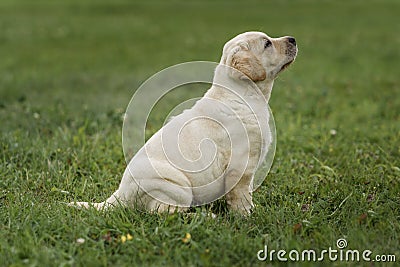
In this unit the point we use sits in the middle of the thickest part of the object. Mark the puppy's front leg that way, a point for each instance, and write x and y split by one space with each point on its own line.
240 197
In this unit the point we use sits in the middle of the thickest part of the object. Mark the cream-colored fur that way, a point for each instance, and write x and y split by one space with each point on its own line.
227 136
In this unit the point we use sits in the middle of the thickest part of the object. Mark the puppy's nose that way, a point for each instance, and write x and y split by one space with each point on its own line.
291 40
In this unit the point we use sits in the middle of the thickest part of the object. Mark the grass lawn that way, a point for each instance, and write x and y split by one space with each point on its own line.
69 68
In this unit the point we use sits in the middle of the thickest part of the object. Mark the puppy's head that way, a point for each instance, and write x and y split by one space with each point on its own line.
257 56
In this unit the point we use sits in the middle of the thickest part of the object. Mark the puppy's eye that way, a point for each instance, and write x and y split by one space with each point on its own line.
268 43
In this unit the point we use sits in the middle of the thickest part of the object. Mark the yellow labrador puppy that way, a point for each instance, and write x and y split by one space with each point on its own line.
214 148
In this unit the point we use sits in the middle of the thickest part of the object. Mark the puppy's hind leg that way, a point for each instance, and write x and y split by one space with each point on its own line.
168 200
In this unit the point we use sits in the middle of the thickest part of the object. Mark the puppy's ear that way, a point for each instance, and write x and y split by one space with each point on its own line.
242 59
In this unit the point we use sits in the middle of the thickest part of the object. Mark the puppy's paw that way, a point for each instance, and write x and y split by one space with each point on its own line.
242 206
245 211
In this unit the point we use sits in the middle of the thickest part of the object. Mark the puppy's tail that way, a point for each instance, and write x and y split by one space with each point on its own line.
110 203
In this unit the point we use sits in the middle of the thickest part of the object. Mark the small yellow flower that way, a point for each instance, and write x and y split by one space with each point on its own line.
187 238
126 237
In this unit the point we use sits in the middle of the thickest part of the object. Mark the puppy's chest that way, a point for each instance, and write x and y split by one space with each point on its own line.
252 135
255 121
257 133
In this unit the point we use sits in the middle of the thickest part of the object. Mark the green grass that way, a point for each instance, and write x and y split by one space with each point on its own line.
68 70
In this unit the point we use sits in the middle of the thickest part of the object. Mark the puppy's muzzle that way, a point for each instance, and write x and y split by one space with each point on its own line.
291 46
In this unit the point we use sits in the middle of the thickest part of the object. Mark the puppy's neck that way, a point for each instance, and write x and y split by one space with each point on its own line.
223 76
266 88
